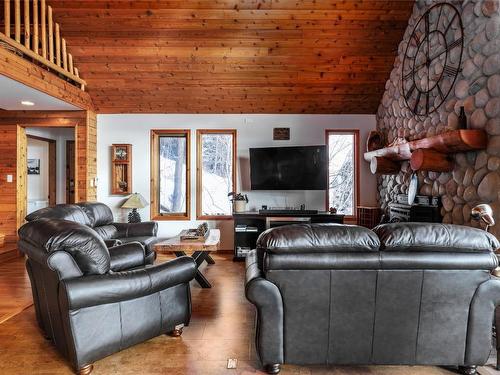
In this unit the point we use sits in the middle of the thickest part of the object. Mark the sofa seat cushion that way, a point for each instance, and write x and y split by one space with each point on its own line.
434 237
318 238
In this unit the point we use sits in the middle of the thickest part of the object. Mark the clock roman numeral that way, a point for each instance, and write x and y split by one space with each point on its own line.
407 75
416 102
450 71
454 44
439 17
440 92
449 25
408 94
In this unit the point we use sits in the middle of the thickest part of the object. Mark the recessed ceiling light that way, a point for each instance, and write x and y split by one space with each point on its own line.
27 102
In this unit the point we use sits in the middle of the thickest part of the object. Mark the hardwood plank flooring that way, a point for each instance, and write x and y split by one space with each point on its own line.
221 327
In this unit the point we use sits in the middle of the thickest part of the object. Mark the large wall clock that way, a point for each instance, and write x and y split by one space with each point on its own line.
432 59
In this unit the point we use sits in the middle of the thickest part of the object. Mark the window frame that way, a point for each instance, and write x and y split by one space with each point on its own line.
199 177
155 183
354 132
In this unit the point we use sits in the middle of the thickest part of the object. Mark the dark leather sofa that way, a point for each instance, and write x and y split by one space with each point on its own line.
99 217
91 301
403 294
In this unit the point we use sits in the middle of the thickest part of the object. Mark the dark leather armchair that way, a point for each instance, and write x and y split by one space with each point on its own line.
99 217
407 294
91 301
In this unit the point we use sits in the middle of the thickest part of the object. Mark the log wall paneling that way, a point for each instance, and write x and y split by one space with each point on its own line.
230 56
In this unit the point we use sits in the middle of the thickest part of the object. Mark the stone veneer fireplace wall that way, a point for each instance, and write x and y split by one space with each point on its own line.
476 175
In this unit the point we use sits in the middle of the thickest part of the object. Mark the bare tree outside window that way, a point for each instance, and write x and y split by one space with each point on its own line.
217 173
172 173
341 175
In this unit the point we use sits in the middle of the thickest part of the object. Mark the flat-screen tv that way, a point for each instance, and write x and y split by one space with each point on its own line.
289 168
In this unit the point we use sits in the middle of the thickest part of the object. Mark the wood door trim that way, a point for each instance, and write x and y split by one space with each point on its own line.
68 187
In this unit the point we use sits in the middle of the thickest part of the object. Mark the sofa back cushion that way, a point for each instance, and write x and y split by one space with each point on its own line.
106 232
98 213
81 242
70 212
318 238
434 237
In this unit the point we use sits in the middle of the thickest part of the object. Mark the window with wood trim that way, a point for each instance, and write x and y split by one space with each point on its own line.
216 173
343 170
170 175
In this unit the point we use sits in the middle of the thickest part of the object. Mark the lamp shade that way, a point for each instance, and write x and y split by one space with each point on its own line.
136 200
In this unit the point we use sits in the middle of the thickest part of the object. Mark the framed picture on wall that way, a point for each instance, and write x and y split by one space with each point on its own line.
33 166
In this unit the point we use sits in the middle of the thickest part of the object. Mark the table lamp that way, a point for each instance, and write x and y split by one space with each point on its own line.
134 202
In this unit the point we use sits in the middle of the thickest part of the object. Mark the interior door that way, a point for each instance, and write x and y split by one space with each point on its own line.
70 171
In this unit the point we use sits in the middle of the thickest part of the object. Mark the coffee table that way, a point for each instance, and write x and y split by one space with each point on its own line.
198 250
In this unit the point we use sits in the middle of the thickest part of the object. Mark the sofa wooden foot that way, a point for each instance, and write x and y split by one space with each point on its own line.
85 370
272 369
468 370
176 332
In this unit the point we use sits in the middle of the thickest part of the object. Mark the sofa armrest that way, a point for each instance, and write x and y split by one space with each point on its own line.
97 290
267 299
482 310
145 228
127 256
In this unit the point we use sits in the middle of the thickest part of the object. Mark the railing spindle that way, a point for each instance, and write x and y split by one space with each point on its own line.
35 26
44 30
58 46
6 9
17 10
27 23
70 63
64 55
51 35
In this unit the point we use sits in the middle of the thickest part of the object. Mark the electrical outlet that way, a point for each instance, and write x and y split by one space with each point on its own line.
232 363
9 178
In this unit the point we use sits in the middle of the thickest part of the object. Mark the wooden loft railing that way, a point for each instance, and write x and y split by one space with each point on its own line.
36 36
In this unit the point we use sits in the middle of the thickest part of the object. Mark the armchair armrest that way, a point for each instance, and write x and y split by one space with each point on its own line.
112 242
127 256
145 228
97 290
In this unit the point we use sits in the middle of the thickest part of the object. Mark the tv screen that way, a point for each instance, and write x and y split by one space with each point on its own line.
289 168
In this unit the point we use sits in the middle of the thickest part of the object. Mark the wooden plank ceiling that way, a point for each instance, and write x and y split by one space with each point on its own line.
234 56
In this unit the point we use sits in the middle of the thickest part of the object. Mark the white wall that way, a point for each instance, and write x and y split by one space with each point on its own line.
38 184
60 135
253 131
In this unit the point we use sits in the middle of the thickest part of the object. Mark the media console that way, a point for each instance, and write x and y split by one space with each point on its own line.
249 225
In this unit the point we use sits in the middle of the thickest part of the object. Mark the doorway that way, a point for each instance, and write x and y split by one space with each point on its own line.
50 166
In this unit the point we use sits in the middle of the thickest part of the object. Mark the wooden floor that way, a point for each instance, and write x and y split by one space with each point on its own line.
221 328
